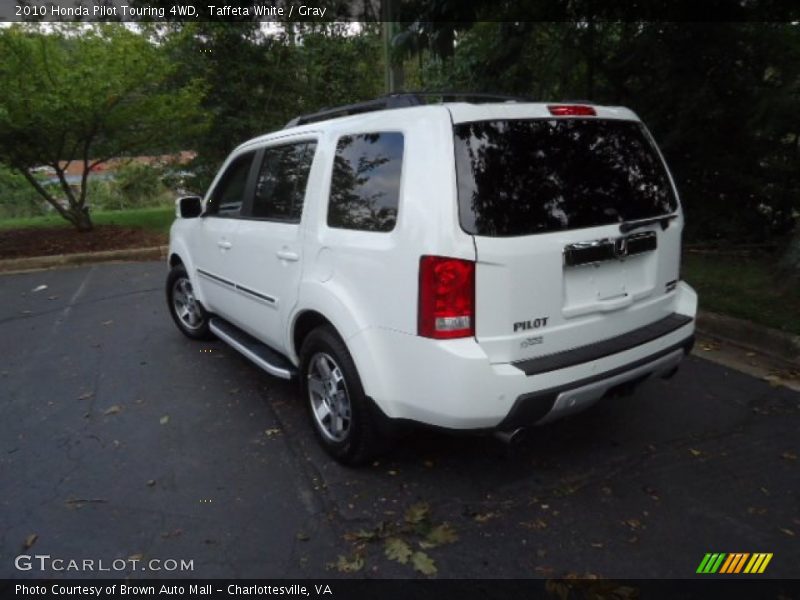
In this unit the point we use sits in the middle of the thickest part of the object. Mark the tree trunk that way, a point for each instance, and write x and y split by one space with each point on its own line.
790 261
79 216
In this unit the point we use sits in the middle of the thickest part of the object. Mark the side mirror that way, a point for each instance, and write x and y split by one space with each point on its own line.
189 207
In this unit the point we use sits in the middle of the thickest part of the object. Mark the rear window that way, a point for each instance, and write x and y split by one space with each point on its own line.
520 177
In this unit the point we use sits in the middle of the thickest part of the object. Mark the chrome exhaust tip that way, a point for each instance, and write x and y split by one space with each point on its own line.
512 437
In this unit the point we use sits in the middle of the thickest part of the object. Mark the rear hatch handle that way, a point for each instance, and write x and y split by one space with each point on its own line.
663 220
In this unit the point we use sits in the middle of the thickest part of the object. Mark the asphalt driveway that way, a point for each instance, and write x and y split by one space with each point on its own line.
122 440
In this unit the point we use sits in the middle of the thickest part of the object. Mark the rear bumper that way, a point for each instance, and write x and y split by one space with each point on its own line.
452 384
541 407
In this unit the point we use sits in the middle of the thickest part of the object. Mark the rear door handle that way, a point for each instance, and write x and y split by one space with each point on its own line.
224 245
288 255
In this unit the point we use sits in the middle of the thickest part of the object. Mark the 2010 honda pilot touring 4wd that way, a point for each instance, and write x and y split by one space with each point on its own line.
479 264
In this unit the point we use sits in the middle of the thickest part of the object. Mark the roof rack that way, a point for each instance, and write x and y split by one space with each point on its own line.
401 100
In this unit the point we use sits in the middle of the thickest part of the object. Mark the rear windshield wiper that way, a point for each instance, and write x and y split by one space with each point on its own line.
663 220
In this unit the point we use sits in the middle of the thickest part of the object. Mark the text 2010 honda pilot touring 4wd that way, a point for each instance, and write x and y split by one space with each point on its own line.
480 264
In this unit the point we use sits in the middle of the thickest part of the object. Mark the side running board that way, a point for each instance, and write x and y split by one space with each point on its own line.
262 355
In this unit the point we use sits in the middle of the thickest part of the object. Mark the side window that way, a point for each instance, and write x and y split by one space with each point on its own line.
226 199
365 187
281 183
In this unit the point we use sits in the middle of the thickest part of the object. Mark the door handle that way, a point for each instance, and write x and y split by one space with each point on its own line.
288 255
224 245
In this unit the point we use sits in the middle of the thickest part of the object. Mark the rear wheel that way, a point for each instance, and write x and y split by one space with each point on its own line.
345 421
187 312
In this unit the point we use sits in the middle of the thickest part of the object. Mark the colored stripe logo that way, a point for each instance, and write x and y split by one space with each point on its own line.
733 563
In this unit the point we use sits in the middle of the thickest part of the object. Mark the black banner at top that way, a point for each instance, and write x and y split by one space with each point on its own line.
401 10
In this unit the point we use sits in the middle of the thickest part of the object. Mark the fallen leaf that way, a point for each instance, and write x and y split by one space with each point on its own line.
349 565
362 535
302 536
788 532
417 513
112 410
164 420
423 563
484 517
597 544
695 452
537 524
789 456
151 482
109 322
558 588
30 540
39 288
171 534
397 549
86 396
439 536
581 577
392 472
272 432
633 523
136 557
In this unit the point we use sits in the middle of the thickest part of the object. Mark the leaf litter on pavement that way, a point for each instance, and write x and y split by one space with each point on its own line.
404 541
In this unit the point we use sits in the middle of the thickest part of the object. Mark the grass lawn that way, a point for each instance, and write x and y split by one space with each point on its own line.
747 288
156 219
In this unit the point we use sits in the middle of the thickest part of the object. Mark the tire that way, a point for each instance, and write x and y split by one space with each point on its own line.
187 312
347 423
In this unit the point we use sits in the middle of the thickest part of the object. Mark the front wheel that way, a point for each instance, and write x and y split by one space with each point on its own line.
344 419
188 314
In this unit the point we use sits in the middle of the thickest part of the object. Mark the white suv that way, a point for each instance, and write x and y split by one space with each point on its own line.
480 264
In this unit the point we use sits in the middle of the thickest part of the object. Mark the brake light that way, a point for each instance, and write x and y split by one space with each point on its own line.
446 298
571 110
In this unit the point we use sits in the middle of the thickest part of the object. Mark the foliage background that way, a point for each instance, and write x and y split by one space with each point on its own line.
720 98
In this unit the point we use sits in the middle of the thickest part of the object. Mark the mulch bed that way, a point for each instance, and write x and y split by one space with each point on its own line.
19 243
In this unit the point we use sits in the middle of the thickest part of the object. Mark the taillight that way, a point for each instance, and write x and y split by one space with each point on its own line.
446 297
571 110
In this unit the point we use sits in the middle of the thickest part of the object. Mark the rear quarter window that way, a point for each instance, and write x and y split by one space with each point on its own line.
521 177
365 185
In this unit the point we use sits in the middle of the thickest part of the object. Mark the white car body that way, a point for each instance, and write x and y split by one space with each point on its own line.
549 338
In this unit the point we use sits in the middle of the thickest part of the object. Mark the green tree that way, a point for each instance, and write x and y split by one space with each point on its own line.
88 94
258 79
720 98
17 197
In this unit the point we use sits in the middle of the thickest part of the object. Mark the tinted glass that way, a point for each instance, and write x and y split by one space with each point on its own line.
226 200
365 188
531 176
281 183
